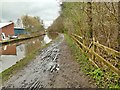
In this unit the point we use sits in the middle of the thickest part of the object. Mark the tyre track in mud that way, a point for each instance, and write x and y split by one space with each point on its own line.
53 68
36 74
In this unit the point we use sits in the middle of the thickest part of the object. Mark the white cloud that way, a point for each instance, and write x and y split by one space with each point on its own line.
48 10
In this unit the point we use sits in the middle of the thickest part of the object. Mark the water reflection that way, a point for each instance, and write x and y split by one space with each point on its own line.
9 50
46 39
10 54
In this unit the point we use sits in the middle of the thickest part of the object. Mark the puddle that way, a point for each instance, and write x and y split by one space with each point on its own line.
47 39
10 54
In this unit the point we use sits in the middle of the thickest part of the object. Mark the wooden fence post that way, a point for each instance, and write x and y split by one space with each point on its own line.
93 48
94 54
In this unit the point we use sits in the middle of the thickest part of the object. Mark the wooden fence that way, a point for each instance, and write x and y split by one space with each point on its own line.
91 50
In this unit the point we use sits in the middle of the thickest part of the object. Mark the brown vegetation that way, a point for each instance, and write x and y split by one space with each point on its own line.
98 21
32 24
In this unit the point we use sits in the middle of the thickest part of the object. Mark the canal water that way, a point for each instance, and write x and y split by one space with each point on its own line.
12 53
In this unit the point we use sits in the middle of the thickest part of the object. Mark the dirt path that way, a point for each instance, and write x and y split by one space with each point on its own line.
53 68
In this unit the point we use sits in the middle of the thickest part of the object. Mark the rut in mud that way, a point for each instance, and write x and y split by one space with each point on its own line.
53 68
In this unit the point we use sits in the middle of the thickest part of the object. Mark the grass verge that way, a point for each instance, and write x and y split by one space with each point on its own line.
111 81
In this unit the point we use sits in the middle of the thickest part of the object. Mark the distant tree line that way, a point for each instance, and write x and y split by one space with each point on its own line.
96 19
32 24
57 25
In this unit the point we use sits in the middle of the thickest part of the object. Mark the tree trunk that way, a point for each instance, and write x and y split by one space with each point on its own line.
118 26
89 11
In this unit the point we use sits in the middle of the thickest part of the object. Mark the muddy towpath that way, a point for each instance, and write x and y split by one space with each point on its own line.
54 67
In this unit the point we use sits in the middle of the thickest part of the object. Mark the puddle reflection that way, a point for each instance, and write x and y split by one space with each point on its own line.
47 39
10 54
9 50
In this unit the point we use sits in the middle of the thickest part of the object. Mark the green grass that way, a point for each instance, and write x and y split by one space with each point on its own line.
95 73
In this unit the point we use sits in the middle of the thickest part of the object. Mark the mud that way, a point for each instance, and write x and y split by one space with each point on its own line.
53 68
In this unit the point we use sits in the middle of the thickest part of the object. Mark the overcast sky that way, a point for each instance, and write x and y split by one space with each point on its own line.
47 10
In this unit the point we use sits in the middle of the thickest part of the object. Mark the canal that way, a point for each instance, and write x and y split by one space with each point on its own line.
13 53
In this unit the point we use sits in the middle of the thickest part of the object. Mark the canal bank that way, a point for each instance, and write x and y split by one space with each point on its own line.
25 51
18 39
54 67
